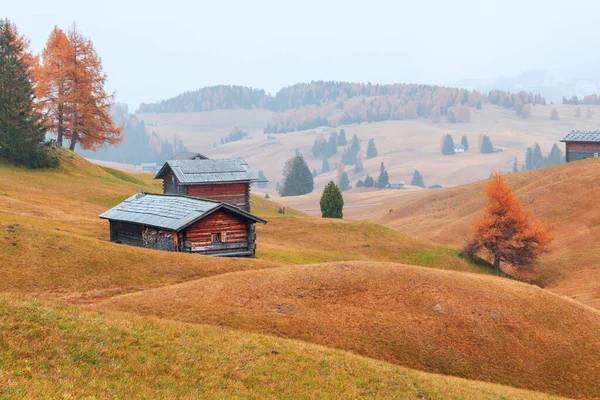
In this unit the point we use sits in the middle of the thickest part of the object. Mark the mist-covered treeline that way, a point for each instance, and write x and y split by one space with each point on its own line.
222 97
308 105
138 146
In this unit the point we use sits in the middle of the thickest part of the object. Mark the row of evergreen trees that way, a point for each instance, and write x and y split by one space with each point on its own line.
381 182
534 158
448 148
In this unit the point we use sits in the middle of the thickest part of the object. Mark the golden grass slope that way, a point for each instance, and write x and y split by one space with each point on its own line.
53 245
564 195
467 325
49 351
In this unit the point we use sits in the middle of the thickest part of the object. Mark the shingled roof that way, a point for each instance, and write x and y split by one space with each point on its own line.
189 155
190 172
166 211
581 136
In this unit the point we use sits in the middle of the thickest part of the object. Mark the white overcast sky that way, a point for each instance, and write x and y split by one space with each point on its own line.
152 50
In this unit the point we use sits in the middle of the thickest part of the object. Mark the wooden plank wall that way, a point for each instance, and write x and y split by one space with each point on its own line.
581 151
236 194
233 233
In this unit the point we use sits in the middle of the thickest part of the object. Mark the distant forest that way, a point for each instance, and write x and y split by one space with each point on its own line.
308 105
138 146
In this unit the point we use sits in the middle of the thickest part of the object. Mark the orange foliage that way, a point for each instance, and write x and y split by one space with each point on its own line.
506 231
71 92
52 87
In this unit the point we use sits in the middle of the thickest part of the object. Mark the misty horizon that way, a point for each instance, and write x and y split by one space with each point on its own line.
151 53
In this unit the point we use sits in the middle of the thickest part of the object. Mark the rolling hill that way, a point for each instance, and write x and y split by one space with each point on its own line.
450 318
466 325
562 195
51 351
55 246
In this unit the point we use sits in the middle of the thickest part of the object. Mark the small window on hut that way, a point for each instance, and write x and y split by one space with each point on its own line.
215 238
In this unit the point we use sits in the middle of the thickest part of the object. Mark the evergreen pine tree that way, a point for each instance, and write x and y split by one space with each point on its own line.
447 145
267 196
369 181
342 141
332 202
529 159
450 116
478 106
417 179
538 157
556 155
331 148
262 180
371 149
315 173
355 146
21 131
358 167
383 180
349 156
325 167
515 166
360 183
465 142
297 178
344 183
486 145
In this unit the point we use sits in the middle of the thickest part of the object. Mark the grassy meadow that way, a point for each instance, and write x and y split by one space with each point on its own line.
80 316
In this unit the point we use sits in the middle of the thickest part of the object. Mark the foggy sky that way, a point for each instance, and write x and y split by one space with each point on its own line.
152 50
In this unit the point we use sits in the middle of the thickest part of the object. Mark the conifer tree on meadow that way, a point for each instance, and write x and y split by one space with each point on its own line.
297 178
371 149
344 183
332 202
417 179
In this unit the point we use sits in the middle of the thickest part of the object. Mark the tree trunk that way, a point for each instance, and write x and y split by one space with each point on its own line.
59 136
73 141
497 264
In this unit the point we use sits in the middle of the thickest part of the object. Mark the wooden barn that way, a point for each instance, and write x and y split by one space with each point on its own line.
183 223
227 180
581 145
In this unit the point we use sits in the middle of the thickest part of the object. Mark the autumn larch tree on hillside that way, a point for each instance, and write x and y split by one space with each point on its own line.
505 229
93 126
71 92
52 90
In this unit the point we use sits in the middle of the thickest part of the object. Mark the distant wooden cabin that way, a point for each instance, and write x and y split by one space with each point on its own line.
227 180
459 148
582 145
189 155
149 167
184 224
436 186
396 185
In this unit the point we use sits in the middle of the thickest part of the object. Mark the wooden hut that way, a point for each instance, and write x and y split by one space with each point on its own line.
183 223
396 185
581 145
227 180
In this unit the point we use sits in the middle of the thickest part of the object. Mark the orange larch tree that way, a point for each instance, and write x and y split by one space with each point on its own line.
53 89
505 229
92 124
